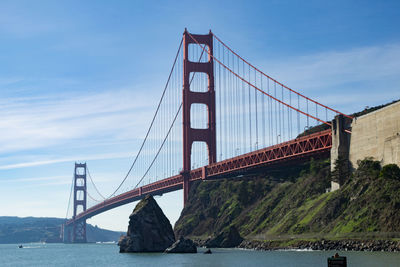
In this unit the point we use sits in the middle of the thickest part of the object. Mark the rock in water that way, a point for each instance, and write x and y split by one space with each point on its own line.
149 230
208 251
182 246
228 238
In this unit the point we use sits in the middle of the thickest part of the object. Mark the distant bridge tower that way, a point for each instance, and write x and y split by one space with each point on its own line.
190 134
80 200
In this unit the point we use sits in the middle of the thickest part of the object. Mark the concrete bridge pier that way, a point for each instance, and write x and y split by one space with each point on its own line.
340 165
66 233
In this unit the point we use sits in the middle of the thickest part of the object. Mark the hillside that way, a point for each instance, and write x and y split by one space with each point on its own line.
288 204
31 229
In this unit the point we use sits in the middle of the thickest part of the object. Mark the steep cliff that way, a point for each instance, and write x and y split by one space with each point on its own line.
290 203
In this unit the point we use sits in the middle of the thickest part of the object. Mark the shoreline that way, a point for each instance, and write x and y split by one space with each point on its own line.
323 245
385 245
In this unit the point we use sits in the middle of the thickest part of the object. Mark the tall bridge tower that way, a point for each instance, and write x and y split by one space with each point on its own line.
80 200
207 98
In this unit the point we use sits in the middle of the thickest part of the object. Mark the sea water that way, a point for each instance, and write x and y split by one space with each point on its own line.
37 254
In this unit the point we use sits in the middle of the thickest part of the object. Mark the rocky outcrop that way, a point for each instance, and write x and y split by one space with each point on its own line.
208 251
182 246
228 238
149 230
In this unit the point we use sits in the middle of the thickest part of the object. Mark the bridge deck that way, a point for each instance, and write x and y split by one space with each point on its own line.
299 148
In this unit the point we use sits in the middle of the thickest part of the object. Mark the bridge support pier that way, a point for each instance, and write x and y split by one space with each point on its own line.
186 186
80 200
340 164
66 233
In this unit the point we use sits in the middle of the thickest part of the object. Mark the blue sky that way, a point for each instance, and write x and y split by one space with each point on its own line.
80 80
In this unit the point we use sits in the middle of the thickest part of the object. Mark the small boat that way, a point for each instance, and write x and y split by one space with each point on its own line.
20 246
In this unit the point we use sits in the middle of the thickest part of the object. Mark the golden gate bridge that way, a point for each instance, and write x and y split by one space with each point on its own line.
218 116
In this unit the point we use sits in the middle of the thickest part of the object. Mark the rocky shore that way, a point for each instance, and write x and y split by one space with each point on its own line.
341 245
228 238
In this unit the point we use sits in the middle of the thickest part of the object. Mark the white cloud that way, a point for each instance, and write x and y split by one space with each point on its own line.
30 123
20 24
68 159
360 74
9 80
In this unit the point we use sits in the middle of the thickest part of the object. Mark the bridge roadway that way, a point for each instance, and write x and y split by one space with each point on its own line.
299 148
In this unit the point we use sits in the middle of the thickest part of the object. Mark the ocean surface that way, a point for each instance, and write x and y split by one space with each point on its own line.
98 255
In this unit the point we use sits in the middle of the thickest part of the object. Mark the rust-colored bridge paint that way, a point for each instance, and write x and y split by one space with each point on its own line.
190 134
274 156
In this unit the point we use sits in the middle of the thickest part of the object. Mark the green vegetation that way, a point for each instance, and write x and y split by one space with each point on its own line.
271 206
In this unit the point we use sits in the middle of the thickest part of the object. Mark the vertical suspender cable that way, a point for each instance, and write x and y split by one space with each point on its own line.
256 107
263 114
250 141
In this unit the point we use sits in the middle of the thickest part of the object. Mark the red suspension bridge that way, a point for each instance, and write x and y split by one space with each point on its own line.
222 116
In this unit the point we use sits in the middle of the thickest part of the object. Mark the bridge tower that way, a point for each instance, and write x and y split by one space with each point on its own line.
207 98
80 200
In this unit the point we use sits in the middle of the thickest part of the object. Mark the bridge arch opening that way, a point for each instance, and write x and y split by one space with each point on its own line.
79 208
80 182
199 116
197 54
199 82
199 156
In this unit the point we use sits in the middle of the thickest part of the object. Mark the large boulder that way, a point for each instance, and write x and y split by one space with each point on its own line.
182 246
149 230
228 238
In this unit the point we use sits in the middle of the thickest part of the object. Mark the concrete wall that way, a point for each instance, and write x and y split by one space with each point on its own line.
376 135
340 139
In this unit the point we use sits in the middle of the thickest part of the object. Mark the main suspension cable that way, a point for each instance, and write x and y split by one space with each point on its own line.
95 187
269 77
152 122
170 128
159 149
70 194
258 89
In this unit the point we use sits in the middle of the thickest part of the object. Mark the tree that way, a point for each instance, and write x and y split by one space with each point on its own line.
341 170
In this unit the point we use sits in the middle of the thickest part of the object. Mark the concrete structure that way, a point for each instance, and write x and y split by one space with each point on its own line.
376 135
340 139
340 147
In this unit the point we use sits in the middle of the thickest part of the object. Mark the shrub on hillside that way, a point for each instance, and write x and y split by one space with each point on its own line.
368 168
390 171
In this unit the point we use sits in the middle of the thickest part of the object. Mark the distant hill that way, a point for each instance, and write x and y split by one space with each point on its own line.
32 229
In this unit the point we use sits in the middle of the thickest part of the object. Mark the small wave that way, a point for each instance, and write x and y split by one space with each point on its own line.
296 249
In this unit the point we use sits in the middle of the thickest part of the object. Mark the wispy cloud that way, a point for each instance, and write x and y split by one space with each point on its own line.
9 80
29 123
31 179
20 24
373 72
68 159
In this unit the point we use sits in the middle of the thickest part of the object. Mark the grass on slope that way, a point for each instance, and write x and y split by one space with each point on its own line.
266 206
